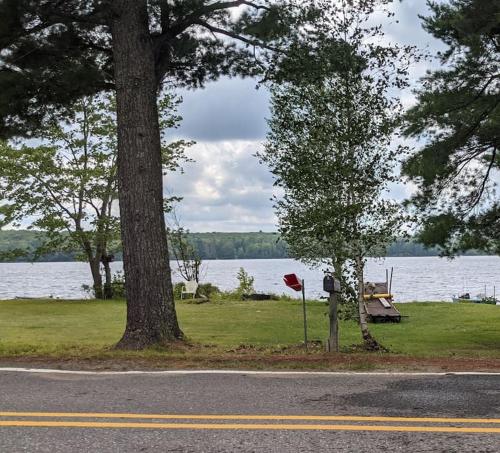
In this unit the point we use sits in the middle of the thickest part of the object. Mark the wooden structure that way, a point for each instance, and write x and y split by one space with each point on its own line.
378 302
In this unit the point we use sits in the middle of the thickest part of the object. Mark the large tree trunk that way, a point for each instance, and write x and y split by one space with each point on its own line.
368 340
151 316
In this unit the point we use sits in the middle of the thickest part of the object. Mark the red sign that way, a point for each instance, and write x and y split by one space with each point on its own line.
292 281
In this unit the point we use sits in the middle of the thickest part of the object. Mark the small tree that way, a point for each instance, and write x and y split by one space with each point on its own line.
67 187
184 252
246 281
329 147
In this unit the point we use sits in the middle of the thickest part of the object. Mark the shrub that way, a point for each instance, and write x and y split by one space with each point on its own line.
178 287
208 290
118 285
204 289
245 282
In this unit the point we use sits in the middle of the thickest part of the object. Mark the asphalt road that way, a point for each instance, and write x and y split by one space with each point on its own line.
245 412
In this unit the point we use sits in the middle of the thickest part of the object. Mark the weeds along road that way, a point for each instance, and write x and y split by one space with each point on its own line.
248 412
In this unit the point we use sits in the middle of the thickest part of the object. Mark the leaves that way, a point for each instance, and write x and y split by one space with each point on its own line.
67 187
53 52
329 145
457 119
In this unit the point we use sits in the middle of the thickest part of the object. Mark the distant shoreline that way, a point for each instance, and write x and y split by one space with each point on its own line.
246 259
209 246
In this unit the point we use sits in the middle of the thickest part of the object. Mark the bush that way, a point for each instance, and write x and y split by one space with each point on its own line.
208 290
246 282
118 285
178 287
204 289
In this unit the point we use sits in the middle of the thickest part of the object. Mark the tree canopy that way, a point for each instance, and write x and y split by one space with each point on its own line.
457 119
53 52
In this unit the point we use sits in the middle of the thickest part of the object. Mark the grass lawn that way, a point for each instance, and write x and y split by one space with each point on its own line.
86 329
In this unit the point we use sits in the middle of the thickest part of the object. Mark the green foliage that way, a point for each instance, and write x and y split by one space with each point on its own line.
238 245
68 184
118 285
210 246
53 53
204 289
178 287
329 145
245 281
67 187
208 290
457 118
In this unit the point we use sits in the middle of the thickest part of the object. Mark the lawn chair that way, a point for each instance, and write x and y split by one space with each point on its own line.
190 287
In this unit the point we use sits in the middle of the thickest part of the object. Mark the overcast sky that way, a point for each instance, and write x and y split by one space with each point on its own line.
225 188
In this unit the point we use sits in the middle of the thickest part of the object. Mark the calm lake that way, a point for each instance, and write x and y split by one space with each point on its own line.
415 278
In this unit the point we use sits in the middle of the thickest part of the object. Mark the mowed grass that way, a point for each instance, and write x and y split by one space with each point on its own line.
87 328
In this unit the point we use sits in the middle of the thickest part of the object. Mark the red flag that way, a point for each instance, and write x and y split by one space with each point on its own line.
292 281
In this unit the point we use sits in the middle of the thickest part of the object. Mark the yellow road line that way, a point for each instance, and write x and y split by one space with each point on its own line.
351 418
245 426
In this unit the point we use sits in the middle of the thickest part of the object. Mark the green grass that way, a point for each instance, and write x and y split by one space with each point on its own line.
89 328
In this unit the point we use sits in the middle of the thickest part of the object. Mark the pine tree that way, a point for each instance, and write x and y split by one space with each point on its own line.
457 117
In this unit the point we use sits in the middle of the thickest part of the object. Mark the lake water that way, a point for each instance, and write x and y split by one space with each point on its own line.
415 278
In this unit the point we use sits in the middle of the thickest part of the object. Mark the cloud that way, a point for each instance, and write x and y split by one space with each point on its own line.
225 189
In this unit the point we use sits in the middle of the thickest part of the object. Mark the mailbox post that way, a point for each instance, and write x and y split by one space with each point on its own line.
332 287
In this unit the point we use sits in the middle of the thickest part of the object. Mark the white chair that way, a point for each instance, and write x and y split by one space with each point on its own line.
190 287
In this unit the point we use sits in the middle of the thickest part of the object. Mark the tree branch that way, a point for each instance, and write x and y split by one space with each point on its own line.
236 36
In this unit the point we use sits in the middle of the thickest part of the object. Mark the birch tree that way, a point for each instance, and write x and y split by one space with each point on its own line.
330 150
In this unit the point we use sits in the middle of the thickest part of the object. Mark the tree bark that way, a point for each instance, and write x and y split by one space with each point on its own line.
151 316
97 279
108 287
368 340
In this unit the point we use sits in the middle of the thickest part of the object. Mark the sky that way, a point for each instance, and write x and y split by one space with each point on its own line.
226 188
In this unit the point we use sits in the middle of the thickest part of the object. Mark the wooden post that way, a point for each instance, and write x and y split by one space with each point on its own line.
333 340
304 313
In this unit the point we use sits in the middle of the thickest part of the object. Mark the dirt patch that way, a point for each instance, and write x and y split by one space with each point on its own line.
259 360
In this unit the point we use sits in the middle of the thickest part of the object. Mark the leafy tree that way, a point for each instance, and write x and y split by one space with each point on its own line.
67 187
329 147
53 52
457 117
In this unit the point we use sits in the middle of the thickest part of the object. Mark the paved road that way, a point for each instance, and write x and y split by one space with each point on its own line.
51 412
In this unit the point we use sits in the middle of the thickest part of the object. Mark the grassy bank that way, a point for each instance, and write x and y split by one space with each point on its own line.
87 329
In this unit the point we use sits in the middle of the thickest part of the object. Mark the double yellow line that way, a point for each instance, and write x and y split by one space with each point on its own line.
40 419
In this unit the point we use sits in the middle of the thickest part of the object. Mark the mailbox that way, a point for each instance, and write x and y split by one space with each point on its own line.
329 284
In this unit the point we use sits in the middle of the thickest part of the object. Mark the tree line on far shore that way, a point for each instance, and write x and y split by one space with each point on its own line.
209 246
